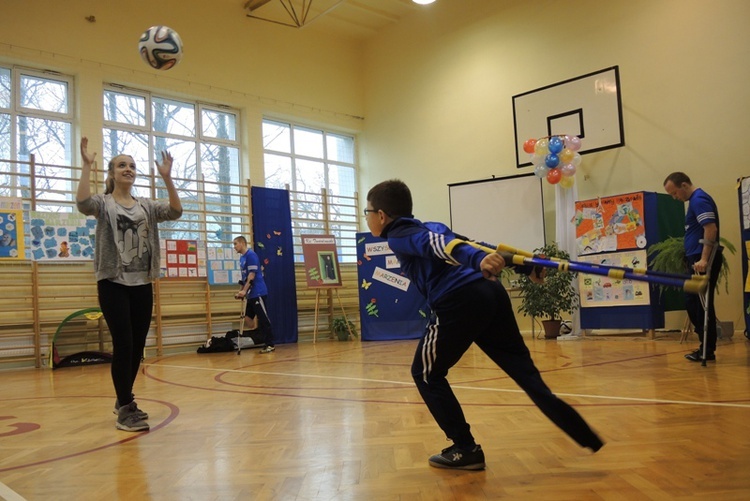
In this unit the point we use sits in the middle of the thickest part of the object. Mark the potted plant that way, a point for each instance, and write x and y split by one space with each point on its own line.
669 256
340 328
550 299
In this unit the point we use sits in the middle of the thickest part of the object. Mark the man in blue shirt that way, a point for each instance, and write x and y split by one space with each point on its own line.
254 288
701 236
469 305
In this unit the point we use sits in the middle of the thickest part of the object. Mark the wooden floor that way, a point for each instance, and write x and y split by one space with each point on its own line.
343 421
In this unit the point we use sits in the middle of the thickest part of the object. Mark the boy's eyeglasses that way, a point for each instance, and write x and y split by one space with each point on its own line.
370 210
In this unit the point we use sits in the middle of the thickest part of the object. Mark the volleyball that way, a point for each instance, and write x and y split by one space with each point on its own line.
160 47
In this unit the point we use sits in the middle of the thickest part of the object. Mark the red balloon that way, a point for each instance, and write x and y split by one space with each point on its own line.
554 176
528 146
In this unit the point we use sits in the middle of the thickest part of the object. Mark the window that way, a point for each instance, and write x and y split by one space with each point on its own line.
309 161
203 141
36 132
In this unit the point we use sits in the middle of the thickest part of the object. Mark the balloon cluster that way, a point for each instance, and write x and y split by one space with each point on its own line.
555 158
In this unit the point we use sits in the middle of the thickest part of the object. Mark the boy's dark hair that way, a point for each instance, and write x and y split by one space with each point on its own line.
241 239
392 197
677 179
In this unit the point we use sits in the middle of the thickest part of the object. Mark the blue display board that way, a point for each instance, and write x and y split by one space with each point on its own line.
662 217
390 307
743 191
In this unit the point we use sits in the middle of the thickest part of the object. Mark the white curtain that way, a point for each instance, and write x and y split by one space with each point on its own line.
565 234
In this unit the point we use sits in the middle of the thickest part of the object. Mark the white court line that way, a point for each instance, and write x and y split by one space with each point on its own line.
498 390
9 494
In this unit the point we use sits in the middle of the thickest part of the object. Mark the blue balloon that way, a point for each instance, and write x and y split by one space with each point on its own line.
551 160
556 144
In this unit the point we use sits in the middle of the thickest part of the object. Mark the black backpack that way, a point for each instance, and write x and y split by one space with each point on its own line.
217 344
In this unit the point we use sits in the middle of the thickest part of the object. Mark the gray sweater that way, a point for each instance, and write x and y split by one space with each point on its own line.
107 263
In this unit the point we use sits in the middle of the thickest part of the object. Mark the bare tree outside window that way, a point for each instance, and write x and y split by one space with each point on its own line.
203 141
36 123
310 161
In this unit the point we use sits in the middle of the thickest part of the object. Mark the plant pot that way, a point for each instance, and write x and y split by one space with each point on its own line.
551 328
342 335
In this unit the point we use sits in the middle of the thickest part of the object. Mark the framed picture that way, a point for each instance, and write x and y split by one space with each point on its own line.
589 106
321 261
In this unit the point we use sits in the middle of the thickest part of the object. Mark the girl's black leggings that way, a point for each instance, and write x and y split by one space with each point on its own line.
127 310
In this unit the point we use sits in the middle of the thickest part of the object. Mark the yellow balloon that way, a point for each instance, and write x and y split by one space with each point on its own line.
566 156
567 181
541 147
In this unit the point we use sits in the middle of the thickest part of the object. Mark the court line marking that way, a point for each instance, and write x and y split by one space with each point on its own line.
463 387
9 494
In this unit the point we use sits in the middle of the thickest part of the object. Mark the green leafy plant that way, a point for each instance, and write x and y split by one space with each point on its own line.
553 297
339 328
669 256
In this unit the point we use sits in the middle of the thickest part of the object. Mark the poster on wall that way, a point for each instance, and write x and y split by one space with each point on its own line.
61 236
183 259
610 224
597 290
321 261
223 266
11 234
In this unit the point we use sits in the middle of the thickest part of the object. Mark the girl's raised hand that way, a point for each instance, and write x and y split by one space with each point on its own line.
87 158
165 167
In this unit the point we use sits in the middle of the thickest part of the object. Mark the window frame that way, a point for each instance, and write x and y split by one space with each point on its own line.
329 199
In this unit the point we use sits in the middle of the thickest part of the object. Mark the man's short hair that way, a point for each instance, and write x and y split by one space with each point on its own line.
240 239
392 197
677 179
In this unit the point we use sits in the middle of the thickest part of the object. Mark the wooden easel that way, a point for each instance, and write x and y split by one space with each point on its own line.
317 308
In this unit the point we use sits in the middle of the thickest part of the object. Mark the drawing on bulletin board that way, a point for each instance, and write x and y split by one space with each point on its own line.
62 236
11 234
610 224
598 290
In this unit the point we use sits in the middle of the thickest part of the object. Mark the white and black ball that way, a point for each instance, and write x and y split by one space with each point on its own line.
160 47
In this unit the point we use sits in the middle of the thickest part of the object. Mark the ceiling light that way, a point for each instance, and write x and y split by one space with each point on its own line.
423 2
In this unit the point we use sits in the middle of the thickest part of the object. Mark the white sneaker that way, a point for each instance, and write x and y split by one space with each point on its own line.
268 349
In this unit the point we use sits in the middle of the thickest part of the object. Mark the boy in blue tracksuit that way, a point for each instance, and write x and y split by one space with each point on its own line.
469 305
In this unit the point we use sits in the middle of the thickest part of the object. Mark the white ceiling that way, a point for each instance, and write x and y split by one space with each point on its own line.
357 19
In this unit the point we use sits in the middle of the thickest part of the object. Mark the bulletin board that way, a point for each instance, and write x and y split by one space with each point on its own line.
223 266
610 224
183 259
11 234
321 261
390 306
62 236
743 192
621 227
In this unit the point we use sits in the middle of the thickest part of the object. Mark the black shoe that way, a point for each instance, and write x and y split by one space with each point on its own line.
459 459
697 356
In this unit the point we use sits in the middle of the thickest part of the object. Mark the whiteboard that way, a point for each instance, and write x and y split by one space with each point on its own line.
507 210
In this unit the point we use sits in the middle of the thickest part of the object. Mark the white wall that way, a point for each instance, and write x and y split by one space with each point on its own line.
439 93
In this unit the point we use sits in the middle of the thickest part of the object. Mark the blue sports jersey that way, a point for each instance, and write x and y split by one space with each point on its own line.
249 262
701 211
420 249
